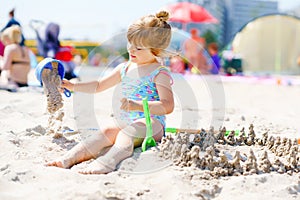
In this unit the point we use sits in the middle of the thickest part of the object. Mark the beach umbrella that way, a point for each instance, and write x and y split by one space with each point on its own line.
186 12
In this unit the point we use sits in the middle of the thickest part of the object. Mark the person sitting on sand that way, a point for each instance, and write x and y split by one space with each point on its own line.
16 59
143 76
11 22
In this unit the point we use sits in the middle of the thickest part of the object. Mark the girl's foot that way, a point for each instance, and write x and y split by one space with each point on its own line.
109 161
61 163
55 164
97 167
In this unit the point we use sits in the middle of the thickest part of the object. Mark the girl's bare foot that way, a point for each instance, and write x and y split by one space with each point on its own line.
97 167
55 164
58 163
109 161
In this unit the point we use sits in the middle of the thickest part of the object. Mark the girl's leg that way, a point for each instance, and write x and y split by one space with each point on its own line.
123 147
88 148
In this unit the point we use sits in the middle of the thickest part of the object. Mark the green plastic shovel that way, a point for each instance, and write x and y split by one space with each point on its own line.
182 130
149 140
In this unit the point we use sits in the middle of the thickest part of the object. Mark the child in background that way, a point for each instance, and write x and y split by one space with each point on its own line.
143 76
213 51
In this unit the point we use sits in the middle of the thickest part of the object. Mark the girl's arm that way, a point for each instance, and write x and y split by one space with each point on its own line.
162 107
166 104
96 86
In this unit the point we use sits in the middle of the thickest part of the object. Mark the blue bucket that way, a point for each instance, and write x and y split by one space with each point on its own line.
47 63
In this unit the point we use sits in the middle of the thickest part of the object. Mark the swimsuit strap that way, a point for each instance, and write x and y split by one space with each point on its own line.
163 70
124 69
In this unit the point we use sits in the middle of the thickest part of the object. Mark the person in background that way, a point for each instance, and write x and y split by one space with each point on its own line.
16 59
1 48
12 21
177 65
213 51
193 50
1 53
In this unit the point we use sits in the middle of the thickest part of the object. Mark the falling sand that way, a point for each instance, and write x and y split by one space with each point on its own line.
51 83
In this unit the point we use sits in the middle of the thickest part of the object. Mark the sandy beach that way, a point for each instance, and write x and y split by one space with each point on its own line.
270 104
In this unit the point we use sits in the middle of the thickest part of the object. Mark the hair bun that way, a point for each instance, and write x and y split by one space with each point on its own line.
163 16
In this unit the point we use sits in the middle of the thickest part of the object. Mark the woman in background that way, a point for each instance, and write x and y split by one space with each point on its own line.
16 60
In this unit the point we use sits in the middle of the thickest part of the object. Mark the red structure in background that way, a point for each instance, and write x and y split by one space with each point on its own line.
185 12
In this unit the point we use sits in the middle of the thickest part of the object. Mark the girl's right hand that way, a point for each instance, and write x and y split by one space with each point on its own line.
67 84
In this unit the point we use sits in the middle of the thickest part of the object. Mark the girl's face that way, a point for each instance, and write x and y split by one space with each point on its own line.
140 55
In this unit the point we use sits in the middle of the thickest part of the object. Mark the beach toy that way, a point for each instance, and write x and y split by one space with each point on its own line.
236 133
149 140
47 63
182 130
193 131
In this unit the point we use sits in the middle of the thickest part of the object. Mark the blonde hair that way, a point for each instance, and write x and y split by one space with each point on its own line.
12 33
151 31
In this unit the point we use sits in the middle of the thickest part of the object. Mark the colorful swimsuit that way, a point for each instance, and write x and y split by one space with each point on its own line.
137 89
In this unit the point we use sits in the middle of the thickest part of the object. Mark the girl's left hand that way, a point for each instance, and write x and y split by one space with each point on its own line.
67 84
129 105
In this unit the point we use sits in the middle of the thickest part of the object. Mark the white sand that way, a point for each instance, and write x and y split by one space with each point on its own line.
25 147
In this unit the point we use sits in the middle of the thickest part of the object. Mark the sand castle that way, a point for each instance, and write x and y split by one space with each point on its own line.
232 155
51 82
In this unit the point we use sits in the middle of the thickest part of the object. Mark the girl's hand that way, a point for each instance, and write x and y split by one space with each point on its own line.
67 84
130 105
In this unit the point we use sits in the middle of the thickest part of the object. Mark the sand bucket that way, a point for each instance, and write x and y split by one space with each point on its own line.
47 63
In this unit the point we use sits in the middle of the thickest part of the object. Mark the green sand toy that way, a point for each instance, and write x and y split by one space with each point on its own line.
236 133
194 131
149 140
182 130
